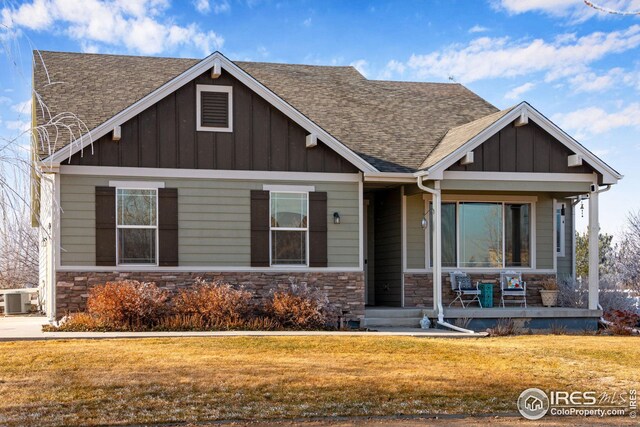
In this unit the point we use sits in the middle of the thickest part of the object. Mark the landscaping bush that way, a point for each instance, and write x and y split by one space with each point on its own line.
134 306
300 307
80 322
622 322
213 305
503 327
128 304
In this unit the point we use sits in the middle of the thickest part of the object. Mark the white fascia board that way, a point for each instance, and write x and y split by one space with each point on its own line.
399 177
610 176
187 76
241 175
519 176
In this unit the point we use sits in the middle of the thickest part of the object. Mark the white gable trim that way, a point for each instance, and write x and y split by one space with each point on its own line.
609 175
184 78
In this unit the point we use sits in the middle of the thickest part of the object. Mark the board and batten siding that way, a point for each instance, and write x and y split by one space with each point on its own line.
214 220
545 217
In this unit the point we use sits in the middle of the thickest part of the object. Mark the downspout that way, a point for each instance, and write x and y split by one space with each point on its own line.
437 254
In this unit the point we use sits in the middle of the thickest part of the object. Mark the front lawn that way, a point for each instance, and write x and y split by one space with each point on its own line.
130 381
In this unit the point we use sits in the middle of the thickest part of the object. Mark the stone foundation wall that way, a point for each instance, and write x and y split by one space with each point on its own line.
345 290
419 288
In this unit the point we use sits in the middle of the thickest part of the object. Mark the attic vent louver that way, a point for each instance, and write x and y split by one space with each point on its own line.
214 108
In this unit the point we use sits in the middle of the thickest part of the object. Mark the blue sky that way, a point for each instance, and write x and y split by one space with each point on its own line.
578 65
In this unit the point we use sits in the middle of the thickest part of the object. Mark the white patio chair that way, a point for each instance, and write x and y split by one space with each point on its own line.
512 285
462 286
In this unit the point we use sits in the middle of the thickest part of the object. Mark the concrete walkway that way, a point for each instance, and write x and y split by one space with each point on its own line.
15 328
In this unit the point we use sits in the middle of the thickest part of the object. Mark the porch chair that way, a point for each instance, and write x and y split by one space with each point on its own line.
461 284
512 285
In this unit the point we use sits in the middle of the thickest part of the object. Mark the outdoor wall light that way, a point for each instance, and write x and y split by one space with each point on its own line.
336 218
425 222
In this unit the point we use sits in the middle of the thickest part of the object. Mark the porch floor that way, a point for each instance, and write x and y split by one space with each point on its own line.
519 312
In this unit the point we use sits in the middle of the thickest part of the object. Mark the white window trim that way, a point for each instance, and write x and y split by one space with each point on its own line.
156 227
136 185
289 188
213 88
560 245
504 200
305 229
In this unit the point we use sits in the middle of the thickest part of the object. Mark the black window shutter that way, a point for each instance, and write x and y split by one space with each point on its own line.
105 226
259 228
318 229
214 109
168 226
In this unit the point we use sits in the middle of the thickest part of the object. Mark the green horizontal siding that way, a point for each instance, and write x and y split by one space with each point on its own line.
544 232
214 220
415 233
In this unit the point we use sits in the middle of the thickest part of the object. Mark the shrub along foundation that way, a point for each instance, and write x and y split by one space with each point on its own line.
345 290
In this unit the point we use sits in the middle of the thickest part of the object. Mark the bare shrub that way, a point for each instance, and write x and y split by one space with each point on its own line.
300 307
128 303
214 304
573 293
80 322
622 322
196 322
503 327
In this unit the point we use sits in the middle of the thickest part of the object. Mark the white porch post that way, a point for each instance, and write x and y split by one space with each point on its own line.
594 232
437 249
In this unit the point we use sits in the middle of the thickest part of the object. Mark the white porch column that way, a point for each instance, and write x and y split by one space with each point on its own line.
594 232
437 249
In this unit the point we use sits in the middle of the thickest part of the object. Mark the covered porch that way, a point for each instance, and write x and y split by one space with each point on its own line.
418 232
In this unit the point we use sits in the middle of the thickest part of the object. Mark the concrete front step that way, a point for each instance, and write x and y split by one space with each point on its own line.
393 312
392 322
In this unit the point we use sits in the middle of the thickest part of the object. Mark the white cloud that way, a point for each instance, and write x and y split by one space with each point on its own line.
19 125
611 79
516 92
595 120
392 68
551 7
139 25
361 65
576 10
222 6
22 107
487 57
202 6
307 22
478 29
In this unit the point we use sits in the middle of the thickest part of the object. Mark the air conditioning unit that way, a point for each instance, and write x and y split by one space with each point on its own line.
17 303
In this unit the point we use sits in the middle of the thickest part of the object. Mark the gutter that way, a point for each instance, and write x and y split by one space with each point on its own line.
437 264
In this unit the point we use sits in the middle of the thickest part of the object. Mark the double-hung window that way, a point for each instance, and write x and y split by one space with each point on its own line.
289 231
137 226
485 234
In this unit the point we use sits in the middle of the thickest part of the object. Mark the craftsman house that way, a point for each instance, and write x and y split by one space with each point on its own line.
381 193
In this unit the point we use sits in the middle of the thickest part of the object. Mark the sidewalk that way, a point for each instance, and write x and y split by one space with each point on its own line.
15 328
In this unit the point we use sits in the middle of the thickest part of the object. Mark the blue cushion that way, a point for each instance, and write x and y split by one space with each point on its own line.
464 283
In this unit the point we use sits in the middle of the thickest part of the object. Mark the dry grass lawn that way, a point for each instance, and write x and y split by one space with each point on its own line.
130 381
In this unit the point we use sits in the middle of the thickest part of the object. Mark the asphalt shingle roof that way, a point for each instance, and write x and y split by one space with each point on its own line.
393 125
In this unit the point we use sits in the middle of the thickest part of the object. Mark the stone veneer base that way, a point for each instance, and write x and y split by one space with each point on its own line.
345 290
